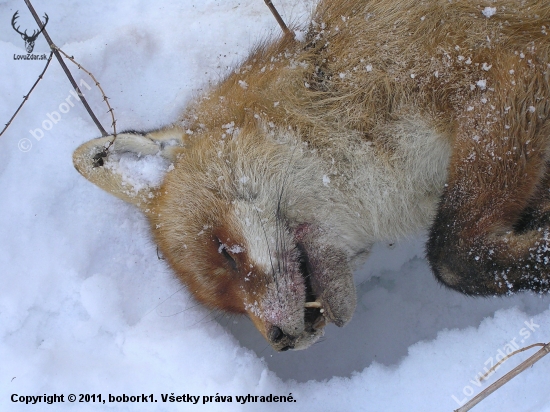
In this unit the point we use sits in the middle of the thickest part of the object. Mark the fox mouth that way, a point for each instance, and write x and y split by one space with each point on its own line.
314 313
318 287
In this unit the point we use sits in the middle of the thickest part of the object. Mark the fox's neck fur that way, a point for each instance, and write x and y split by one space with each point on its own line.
370 169
368 118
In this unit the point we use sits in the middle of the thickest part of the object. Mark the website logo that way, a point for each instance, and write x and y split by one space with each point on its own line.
29 40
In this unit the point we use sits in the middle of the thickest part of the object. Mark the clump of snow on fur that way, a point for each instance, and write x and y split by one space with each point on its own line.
482 84
489 11
300 35
139 172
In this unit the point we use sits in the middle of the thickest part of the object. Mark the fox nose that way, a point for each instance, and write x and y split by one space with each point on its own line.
278 338
276 334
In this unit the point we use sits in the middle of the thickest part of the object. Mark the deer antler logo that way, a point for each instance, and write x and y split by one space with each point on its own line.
29 40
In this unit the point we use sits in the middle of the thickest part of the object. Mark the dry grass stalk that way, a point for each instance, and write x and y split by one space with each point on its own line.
494 368
506 378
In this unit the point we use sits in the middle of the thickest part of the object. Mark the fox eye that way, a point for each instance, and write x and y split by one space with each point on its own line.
222 249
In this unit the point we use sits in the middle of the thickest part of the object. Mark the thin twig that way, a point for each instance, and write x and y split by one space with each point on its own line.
105 98
279 19
26 97
506 378
65 68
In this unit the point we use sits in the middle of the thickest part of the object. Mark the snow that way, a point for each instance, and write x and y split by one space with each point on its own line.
489 11
87 307
139 173
482 84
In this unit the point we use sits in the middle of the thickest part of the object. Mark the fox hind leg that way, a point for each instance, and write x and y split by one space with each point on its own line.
491 235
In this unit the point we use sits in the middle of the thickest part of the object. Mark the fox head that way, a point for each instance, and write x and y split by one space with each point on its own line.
246 221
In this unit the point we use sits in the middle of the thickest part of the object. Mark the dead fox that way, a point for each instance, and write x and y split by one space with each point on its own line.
388 117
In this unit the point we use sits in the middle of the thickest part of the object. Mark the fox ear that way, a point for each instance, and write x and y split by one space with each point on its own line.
133 168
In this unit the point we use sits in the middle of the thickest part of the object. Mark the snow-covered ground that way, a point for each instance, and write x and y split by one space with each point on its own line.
86 307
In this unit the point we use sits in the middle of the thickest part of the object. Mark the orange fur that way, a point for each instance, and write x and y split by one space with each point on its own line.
289 169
